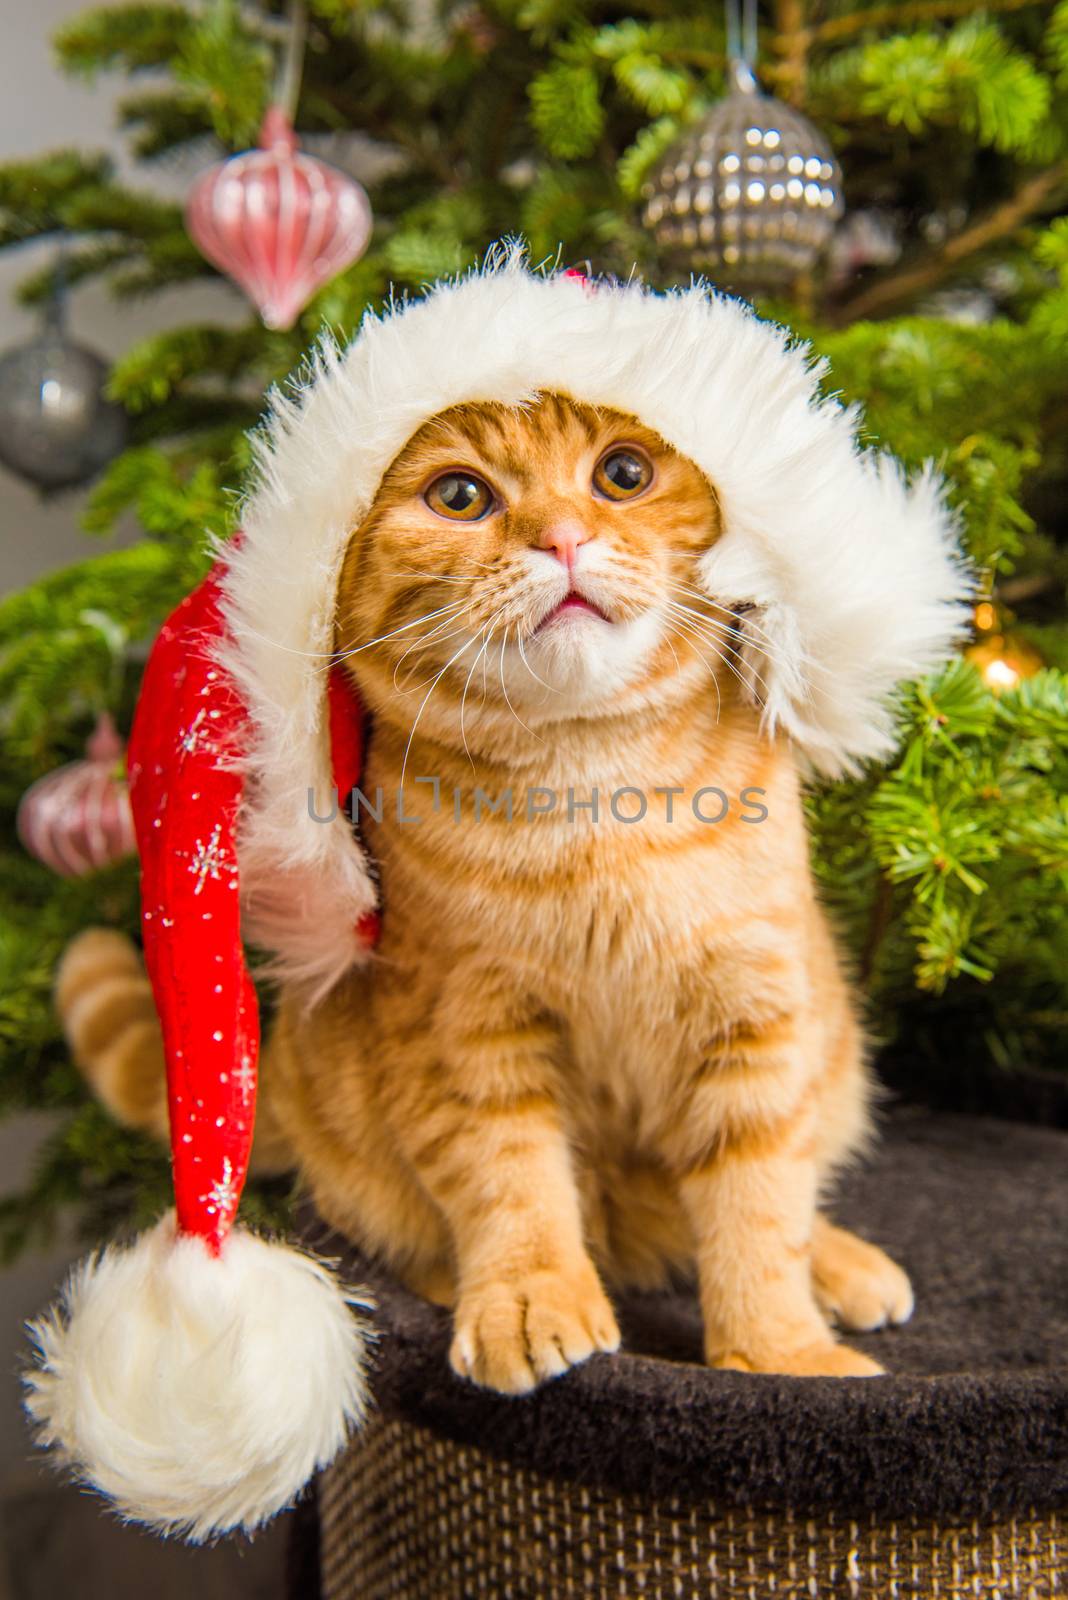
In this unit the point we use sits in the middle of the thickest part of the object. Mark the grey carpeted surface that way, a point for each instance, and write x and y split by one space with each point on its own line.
974 1416
977 1212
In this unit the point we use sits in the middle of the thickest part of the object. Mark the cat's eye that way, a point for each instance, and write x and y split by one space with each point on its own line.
459 495
622 474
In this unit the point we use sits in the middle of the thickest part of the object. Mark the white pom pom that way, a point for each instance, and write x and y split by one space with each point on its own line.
199 1392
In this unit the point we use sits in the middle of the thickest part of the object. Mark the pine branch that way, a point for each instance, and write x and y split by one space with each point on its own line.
899 16
132 36
970 79
920 277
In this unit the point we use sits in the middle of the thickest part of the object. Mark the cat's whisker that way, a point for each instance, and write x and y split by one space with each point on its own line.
727 631
342 655
530 669
488 631
444 638
246 632
740 637
507 697
713 644
750 626
704 627
715 632
681 630
485 668
675 653
486 566
745 634
685 631
407 749
432 577
435 636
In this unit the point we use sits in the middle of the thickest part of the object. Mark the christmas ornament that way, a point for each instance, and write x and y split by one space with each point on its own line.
78 819
56 428
752 193
200 1375
279 222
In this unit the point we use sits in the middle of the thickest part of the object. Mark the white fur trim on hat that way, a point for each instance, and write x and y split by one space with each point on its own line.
199 1392
853 572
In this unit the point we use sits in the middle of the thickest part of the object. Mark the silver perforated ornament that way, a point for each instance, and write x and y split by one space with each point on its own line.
56 428
750 195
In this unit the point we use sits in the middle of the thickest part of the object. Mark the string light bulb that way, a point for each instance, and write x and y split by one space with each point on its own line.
1002 659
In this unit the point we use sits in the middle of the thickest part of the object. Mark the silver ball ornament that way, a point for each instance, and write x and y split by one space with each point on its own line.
750 195
56 428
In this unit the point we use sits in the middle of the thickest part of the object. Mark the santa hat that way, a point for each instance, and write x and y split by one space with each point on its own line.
200 1375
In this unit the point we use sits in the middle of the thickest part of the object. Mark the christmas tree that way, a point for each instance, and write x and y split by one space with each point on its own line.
942 308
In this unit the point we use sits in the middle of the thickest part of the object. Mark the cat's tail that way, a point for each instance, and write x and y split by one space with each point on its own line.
105 1004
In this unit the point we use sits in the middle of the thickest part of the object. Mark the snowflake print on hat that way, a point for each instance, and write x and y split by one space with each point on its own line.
223 1195
210 860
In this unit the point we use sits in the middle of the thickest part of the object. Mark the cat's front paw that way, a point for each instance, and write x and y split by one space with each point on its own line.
823 1360
510 1334
856 1283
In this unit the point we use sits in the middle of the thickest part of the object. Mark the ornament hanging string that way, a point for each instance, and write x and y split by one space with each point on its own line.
741 29
55 313
291 70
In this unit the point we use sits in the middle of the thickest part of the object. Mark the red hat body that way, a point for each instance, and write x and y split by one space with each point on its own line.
185 790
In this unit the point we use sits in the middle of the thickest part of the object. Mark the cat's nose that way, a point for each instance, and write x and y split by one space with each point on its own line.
563 537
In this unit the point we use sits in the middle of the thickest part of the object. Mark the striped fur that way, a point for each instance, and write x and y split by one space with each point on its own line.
589 1052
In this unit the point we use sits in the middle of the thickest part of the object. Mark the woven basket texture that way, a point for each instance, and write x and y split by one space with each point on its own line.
410 1516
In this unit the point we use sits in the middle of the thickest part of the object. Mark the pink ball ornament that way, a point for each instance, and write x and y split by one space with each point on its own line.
278 222
77 818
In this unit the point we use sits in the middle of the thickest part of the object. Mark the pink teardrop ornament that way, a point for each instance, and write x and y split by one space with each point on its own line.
279 222
77 819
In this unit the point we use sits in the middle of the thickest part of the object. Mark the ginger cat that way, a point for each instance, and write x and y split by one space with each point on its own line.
594 1045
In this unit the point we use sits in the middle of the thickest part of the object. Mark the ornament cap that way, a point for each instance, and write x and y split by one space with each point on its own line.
742 77
104 743
277 132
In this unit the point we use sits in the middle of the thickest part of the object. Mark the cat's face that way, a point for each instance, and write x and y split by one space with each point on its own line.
550 551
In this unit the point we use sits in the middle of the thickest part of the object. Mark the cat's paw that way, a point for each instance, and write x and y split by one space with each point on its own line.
510 1334
823 1360
857 1284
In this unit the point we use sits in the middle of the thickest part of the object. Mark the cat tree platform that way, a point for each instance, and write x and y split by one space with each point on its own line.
646 1474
